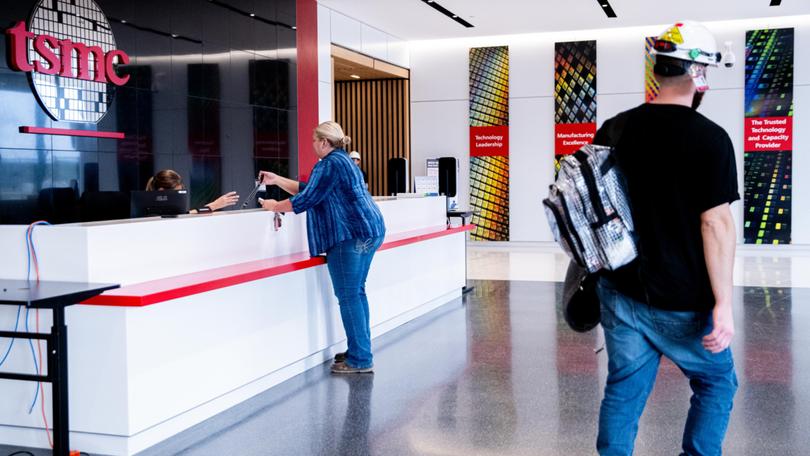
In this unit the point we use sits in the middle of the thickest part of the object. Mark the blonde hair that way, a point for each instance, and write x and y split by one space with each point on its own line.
333 134
164 180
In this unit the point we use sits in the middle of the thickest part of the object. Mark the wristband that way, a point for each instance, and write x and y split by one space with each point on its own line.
204 210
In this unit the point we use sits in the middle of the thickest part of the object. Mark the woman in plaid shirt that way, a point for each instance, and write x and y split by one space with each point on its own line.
344 222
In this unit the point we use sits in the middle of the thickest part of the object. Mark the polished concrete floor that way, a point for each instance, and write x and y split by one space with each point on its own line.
499 373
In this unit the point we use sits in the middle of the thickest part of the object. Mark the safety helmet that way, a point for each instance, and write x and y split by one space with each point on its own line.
355 155
689 41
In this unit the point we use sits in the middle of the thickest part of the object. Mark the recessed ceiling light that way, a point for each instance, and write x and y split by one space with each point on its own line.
123 21
354 76
225 4
174 35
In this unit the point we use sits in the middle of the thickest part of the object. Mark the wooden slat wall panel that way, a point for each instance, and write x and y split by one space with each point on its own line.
376 115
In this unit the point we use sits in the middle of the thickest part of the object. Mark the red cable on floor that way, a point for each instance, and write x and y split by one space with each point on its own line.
33 253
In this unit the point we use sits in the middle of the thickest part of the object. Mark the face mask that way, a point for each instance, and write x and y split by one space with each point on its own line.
697 98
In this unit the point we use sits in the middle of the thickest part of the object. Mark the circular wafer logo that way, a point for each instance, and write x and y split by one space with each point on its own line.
69 51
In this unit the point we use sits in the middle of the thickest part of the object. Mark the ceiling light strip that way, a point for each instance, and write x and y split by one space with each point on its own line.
448 13
605 6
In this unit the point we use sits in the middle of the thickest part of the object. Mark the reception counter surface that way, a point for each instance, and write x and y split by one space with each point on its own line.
213 310
156 291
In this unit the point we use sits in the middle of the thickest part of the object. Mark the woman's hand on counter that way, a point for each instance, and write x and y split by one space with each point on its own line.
269 204
276 206
228 199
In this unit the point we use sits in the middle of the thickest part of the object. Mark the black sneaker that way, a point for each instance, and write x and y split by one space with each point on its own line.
341 357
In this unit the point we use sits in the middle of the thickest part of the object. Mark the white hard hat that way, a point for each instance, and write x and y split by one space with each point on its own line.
355 155
690 41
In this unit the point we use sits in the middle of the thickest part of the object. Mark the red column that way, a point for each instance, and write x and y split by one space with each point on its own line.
306 12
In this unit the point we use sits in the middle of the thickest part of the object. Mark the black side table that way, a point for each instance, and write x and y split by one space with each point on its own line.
55 296
463 215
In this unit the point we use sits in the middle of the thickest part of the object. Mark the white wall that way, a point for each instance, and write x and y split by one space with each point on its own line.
439 107
337 28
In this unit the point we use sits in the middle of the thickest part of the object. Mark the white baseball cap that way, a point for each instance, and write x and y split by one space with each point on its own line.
355 155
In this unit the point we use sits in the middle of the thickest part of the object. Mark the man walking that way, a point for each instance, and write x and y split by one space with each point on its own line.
675 299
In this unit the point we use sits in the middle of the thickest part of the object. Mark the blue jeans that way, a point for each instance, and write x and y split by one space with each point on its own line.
636 335
348 263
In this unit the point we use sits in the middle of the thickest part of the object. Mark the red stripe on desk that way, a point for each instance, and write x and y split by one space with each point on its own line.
412 237
156 291
70 132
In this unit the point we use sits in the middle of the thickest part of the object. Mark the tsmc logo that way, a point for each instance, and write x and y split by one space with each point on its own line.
58 57
69 51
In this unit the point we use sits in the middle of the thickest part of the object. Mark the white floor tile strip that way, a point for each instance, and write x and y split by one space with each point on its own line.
786 267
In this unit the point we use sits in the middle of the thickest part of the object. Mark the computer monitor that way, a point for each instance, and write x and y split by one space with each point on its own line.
165 203
97 206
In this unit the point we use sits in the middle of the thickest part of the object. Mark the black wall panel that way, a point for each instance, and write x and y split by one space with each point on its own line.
211 95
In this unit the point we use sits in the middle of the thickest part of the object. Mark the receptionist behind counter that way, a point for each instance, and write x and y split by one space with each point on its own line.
170 180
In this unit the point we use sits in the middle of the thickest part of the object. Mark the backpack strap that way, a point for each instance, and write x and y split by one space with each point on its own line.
612 137
593 189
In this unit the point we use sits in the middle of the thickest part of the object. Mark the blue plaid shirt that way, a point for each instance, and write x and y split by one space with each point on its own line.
337 203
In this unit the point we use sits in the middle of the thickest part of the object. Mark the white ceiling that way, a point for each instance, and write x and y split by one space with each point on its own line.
414 20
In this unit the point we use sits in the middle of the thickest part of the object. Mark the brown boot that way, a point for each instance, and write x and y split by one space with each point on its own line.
343 368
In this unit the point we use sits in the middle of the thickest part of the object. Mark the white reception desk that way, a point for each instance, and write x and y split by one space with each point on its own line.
213 310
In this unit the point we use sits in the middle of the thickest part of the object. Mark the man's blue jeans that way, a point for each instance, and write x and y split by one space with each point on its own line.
349 263
636 335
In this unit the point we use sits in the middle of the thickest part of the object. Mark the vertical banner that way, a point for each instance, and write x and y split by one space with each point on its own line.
768 135
574 97
651 86
489 143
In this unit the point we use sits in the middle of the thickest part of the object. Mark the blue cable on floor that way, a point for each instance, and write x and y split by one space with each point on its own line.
36 365
11 344
28 249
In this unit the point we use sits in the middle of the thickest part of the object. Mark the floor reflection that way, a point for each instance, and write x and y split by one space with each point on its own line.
501 374
354 437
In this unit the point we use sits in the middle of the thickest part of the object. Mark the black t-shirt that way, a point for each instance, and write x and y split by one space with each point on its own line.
677 164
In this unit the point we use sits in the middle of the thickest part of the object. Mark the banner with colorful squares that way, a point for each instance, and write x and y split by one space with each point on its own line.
489 143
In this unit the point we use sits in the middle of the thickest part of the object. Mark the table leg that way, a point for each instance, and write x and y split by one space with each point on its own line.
467 287
58 361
